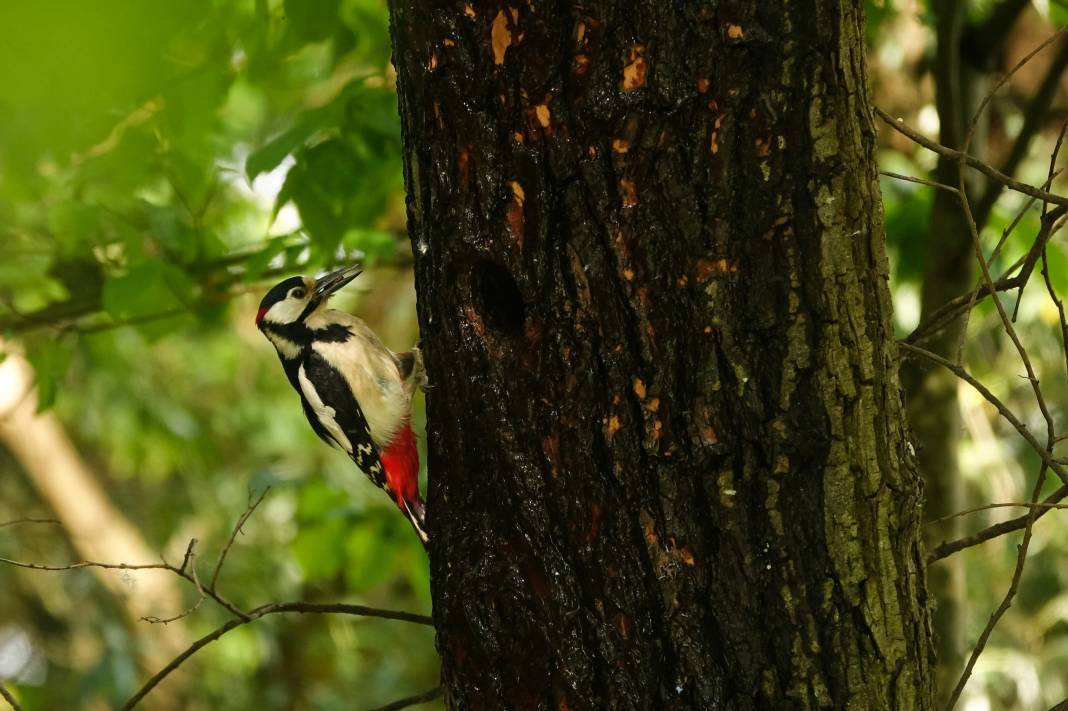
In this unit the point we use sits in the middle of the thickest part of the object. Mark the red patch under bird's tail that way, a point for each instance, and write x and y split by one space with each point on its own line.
401 462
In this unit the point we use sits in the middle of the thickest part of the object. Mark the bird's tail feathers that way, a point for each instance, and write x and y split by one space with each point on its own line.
415 511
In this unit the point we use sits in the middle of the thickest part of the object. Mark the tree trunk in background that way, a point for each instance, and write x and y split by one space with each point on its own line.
934 410
668 462
97 530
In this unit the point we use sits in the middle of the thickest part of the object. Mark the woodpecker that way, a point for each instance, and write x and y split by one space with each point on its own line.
356 393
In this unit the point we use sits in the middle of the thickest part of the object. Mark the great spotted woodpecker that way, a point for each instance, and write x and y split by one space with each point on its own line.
356 393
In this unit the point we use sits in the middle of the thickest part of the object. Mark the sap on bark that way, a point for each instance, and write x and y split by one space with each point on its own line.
636 69
504 33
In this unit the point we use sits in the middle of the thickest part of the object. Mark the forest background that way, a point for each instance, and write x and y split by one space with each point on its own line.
162 165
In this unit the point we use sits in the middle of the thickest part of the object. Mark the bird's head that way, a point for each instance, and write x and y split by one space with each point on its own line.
290 302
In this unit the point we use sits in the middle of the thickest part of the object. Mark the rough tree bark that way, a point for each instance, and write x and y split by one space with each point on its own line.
668 459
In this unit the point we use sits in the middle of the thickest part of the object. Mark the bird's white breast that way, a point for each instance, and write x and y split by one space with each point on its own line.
370 370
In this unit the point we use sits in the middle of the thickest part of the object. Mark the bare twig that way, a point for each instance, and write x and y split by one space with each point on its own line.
1006 602
188 565
230 607
190 552
1034 115
411 700
263 611
1051 224
1042 247
1059 303
971 161
921 181
1006 322
1003 505
1004 80
19 521
993 399
1010 330
9 698
152 619
1050 289
88 564
1025 263
188 571
249 510
947 549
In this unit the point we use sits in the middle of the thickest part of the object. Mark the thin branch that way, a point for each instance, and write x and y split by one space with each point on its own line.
214 274
1051 436
249 510
1002 82
9 698
188 564
190 552
1000 505
1010 330
263 611
971 161
1059 303
88 564
965 302
993 399
230 607
921 181
1050 289
152 619
1006 602
1036 112
411 700
19 521
947 549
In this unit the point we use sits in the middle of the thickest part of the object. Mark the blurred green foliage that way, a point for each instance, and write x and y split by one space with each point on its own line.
161 165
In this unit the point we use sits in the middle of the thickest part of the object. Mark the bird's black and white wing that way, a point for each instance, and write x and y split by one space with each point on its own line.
335 415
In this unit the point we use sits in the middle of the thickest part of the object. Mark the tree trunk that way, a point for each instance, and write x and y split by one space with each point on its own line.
931 393
668 458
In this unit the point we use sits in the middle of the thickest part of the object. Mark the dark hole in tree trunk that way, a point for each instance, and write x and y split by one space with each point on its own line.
499 301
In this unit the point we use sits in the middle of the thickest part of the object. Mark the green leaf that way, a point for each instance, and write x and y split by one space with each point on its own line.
309 123
75 225
270 155
377 245
1058 13
312 20
50 360
257 264
152 289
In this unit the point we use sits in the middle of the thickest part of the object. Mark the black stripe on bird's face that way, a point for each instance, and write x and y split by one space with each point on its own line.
286 302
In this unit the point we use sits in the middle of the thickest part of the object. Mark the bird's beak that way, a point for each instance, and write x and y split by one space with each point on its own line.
329 283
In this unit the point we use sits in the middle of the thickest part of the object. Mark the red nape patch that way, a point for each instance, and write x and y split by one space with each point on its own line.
401 462
259 315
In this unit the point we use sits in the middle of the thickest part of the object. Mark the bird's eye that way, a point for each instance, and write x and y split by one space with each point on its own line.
298 293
